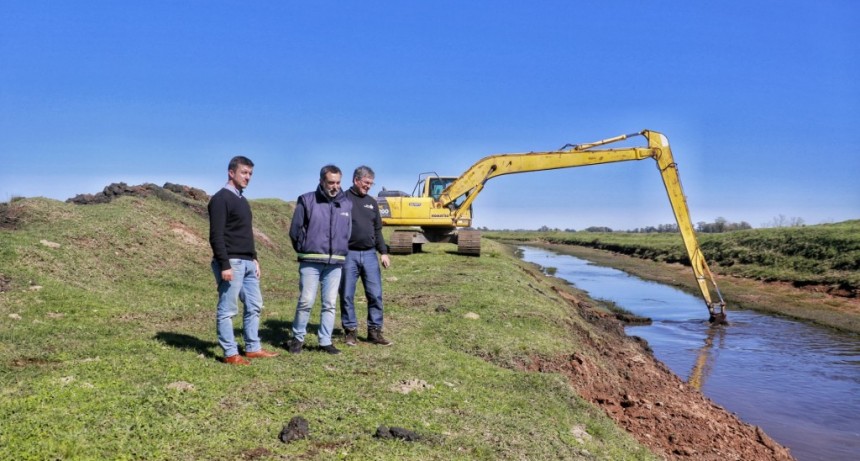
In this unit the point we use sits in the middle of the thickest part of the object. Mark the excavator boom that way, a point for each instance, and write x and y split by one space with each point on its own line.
442 212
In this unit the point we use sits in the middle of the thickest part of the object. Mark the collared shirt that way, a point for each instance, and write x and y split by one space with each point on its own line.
229 186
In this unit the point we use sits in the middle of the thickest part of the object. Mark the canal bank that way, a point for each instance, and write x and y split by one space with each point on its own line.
797 381
619 375
807 304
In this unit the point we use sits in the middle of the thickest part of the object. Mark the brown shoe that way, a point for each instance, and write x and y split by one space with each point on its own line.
351 336
236 360
374 335
261 354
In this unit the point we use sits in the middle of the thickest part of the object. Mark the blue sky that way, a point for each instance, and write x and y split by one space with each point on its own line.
760 100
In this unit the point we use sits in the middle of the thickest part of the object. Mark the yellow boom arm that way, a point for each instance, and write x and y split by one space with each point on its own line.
472 182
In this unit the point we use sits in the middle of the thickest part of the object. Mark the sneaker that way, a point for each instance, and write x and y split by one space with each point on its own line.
351 336
294 346
330 349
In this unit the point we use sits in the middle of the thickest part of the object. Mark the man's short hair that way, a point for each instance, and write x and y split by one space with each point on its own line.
239 160
363 172
329 169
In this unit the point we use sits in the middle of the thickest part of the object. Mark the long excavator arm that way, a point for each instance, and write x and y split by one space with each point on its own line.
470 184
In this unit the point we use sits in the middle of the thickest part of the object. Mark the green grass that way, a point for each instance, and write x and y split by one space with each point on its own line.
109 351
826 254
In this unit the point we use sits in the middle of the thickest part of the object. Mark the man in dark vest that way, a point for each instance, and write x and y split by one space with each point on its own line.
319 232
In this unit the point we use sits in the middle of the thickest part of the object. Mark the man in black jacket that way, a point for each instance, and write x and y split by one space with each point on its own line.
361 261
235 265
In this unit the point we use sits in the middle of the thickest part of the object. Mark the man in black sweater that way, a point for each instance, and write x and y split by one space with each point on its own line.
235 265
361 261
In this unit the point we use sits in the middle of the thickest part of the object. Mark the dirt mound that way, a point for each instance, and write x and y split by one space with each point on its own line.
187 196
10 215
644 397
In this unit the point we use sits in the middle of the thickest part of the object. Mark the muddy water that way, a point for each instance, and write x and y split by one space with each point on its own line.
800 383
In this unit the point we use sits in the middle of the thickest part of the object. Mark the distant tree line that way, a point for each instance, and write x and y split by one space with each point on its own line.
784 221
721 225
718 226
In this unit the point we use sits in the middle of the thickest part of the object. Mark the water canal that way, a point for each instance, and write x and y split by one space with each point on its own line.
799 382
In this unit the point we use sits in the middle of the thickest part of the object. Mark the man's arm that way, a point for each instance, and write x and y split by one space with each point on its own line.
217 226
298 223
380 240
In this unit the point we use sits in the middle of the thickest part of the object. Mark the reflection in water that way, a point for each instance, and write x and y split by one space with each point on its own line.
798 382
704 360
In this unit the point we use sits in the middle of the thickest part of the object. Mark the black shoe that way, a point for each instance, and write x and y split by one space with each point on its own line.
294 346
330 349
351 336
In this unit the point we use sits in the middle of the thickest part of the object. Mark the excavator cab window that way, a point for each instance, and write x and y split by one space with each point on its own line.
436 190
437 185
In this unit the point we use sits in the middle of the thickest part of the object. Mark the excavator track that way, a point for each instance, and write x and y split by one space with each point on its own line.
469 242
401 243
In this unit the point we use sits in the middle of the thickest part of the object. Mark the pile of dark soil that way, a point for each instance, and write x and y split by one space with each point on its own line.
187 196
9 215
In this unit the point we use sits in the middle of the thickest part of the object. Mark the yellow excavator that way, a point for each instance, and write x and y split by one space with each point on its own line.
440 208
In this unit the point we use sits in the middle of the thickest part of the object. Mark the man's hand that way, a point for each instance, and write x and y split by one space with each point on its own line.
386 261
227 275
257 263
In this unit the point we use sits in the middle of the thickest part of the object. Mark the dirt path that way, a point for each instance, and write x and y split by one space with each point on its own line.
619 374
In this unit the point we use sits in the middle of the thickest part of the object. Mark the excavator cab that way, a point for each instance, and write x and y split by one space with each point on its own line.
436 185
431 185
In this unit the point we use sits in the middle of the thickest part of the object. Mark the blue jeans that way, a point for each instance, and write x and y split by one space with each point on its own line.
245 286
364 265
311 274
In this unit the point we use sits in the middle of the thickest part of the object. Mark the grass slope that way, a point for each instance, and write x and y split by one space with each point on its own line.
108 345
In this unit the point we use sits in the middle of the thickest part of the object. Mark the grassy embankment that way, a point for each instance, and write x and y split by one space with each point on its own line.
108 345
788 271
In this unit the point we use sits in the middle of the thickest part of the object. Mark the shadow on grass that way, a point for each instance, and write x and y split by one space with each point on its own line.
457 252
277 332
274 332
183 341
